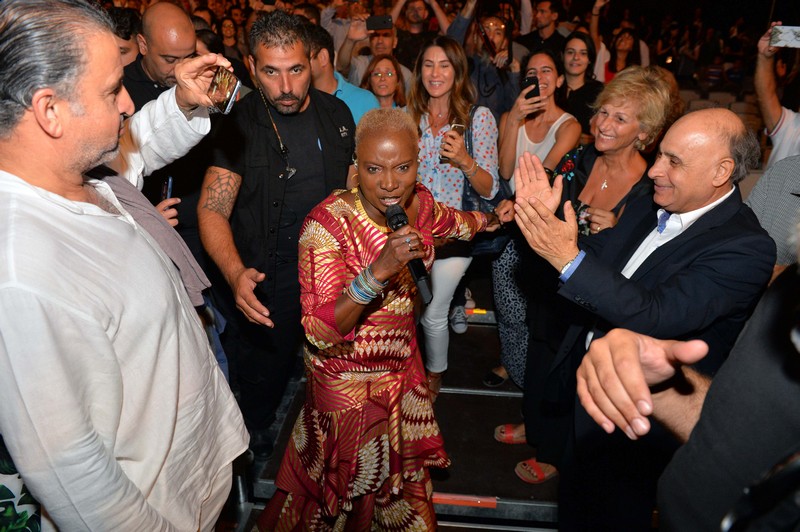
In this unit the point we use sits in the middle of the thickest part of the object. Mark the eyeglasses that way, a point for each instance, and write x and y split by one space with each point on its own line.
379 75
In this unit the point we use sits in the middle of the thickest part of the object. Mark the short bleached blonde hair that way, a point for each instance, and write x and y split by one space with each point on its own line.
378 122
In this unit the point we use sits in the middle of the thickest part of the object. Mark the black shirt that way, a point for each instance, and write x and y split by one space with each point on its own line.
246 144
579 102
533 41
409 44
305 187
749 419
139 85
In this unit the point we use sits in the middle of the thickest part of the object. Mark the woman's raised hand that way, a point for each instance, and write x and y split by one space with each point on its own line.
531 181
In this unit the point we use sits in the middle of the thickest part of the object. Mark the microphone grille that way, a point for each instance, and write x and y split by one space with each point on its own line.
396 217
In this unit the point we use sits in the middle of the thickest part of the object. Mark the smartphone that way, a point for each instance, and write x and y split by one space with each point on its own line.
531 81
166 189
223 90
379 22
458 128
785 37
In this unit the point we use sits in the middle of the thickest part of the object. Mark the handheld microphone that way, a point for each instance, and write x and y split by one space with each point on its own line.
396 218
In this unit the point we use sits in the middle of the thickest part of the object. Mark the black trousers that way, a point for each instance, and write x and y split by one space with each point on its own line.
265 357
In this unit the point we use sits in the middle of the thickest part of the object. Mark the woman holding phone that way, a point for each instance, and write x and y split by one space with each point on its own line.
538 126
440 100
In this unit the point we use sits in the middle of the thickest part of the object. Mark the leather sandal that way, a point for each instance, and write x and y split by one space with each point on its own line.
533 472
510 434
434 384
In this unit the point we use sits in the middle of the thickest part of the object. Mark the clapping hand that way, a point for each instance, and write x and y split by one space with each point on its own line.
531 181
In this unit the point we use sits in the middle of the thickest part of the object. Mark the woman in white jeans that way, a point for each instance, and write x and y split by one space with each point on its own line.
441 96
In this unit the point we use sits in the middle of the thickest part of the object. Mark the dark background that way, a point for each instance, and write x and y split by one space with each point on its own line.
720 14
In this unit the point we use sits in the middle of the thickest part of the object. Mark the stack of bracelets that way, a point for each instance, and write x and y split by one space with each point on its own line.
365 287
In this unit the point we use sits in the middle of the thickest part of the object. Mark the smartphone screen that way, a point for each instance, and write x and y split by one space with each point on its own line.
531 81
785 37
223 90
166 189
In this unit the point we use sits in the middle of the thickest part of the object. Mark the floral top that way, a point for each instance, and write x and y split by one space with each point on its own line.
446 181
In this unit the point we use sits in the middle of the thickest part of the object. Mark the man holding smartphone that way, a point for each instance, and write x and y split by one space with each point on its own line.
382 41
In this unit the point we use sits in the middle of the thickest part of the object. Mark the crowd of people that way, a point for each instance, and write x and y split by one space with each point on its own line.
163 264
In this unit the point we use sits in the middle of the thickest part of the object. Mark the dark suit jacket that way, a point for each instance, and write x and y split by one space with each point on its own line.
702 284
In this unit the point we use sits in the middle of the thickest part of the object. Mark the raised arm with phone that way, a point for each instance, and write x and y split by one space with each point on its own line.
783 125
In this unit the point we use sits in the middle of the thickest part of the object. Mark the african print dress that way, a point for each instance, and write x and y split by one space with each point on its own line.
359 451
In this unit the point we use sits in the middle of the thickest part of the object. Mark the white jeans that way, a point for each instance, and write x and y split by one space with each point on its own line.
445 276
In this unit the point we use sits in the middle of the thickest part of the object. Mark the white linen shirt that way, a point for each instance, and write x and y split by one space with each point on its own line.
111 403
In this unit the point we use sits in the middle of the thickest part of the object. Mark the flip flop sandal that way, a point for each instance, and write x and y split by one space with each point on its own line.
533 472
505 434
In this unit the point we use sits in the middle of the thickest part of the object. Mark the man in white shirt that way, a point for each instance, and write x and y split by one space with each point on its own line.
689 262
112 407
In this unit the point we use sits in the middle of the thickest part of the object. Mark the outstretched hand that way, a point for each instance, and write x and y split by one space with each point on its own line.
193 76
531 181
505 211
243 286
358 28
615 376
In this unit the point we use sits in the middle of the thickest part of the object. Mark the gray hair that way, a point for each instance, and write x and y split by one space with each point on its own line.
745 151
277 29
42 44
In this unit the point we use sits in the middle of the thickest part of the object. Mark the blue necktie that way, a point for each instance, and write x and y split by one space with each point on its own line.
662 221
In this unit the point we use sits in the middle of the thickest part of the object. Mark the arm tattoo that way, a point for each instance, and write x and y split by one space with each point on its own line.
222 187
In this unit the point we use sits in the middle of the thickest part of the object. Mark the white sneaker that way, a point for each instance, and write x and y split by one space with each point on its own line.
458 320
470 302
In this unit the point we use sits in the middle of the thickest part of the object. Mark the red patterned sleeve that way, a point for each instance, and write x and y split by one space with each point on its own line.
452 223
323 274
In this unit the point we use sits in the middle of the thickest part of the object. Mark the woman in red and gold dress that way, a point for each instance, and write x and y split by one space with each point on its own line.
359 452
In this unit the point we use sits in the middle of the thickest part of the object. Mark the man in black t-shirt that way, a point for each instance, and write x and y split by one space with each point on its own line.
545 20
411 40
282 150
